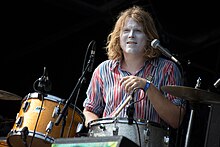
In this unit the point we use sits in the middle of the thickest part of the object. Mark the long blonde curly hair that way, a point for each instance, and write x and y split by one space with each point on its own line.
113 48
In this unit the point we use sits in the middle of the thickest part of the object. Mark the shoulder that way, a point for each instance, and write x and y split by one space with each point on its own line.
106 63
165 62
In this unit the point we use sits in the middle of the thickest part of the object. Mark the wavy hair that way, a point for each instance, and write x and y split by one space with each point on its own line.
113 48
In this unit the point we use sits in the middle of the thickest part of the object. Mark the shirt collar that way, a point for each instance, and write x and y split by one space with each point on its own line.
154 62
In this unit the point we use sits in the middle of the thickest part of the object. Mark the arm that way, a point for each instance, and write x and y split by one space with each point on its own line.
89 116
168 111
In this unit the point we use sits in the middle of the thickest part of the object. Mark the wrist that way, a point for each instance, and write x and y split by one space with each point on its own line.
147 85
148 82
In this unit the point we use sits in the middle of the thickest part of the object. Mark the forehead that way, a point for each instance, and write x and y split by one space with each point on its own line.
131 22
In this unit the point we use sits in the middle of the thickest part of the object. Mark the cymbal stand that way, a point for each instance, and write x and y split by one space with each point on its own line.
191 117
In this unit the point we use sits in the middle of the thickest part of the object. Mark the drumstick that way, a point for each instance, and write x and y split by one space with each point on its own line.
122 106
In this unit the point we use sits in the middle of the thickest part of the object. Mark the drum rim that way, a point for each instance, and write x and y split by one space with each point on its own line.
38 135
125 120
110 120
47 96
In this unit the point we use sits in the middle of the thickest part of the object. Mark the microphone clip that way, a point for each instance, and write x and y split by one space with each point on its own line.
92 55
44 84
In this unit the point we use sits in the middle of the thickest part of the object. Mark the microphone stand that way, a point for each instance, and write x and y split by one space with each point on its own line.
63 124
68 101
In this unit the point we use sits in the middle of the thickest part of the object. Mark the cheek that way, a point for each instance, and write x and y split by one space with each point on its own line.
123 42
143 41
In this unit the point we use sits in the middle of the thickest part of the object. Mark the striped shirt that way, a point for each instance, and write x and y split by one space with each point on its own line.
105 94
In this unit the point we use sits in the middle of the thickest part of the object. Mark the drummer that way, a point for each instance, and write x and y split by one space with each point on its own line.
134 69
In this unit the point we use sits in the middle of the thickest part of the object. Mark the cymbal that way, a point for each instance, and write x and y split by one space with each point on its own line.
4 95
192 94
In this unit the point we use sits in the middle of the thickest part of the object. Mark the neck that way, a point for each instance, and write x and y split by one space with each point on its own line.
132 64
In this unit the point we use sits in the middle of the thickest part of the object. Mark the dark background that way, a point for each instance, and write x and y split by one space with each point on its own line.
55 34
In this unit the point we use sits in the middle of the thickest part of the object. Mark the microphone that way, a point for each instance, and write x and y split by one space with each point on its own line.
217 83
92 55
156 44
44 82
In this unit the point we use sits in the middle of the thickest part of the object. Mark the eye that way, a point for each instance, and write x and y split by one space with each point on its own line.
138 30
126 30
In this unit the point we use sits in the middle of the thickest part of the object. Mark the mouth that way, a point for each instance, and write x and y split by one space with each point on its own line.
131 42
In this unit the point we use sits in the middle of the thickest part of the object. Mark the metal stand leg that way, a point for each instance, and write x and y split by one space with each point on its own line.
189 128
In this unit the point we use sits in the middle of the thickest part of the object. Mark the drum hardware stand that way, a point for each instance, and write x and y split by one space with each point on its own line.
191 116
208 125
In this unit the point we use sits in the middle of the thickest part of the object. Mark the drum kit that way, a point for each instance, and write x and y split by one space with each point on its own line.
28 124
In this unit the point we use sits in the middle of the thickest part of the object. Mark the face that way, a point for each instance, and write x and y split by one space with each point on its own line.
132 37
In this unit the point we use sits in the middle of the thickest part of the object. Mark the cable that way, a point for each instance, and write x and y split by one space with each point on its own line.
139 136
74 108
133 102
37 119
139 99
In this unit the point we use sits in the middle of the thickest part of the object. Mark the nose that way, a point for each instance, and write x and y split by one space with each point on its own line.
131 34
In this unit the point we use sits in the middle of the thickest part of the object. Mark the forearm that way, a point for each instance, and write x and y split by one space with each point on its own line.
168 111
89 116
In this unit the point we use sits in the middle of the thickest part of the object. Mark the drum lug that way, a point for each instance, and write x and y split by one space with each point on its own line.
166 138
26 106
102 127
49 127
91 133
19 121
79 127
56 111
115 130
146 135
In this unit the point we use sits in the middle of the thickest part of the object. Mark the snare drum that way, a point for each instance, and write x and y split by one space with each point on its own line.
47 108
143 133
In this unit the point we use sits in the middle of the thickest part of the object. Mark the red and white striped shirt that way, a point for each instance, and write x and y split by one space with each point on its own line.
105 94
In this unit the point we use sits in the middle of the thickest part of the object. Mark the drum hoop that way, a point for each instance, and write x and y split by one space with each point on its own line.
47 97
111 120
30 134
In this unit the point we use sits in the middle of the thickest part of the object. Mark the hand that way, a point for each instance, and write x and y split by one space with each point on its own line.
131 82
